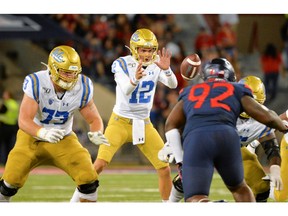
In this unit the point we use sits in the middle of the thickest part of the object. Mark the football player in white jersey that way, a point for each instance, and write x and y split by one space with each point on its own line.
136 76
282 195
45 135
251 133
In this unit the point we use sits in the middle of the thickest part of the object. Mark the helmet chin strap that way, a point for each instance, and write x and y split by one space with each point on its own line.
128 48
44 64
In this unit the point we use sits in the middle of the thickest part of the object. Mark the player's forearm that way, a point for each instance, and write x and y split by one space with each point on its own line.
284 116
276 122
96 125
28 126
126 84
169 79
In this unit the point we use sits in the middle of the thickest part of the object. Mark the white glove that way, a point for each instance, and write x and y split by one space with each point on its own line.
165 154
252 146
275 177
98 138
52 135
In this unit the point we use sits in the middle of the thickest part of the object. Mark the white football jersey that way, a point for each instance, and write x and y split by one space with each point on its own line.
53 112
250 130
138 104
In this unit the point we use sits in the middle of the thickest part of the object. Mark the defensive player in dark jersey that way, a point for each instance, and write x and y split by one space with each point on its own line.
207 112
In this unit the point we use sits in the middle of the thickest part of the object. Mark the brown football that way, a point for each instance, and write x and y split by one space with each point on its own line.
190 66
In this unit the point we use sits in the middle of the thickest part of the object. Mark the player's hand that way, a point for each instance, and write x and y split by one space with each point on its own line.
285 131
98 138
252 146
165 154
275 177
52 135
164 61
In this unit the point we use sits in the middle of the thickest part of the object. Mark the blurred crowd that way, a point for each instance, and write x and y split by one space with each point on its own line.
106 36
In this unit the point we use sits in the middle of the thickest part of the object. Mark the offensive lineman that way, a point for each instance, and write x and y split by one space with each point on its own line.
282 195
136 76
45 135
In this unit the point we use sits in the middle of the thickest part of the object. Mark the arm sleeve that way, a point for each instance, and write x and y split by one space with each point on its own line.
121 76
173 137
168 78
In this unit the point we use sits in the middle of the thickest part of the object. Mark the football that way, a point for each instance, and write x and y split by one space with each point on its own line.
190 66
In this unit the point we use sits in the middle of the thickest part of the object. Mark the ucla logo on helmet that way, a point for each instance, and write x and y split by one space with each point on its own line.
57 55
135 37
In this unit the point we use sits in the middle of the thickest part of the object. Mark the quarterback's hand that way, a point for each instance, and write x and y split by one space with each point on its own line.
52 135
165 154
275 177
98 138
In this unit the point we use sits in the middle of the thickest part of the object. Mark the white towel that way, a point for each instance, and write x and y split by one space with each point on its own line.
138 131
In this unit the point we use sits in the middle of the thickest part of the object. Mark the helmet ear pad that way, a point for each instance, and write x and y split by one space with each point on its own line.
143 38
66 59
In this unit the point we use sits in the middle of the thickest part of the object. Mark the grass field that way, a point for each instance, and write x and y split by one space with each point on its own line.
116 185
122 192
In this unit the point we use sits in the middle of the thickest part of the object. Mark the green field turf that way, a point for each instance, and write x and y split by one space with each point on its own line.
122 186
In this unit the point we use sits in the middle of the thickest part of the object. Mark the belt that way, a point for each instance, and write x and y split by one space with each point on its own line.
128 120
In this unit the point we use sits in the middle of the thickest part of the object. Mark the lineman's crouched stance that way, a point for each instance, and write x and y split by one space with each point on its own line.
45 135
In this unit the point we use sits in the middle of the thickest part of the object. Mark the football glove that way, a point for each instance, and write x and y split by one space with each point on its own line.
165 154
275 177
98 138
252 146
52 135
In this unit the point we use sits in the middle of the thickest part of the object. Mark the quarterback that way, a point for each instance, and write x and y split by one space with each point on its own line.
136 77
45 135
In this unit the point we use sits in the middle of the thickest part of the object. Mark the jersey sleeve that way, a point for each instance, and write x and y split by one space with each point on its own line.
119 65
87 88
242 90
31 86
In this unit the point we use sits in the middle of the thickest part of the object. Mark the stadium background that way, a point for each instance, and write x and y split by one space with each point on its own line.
25 41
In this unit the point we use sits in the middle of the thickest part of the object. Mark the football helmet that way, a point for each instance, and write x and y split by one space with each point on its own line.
143 38
258 90
219 68
66 59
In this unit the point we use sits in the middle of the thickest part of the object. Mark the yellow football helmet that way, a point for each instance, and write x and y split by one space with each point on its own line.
66 59
258 90
143 38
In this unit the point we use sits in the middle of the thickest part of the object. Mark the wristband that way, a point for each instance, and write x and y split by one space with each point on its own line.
167 72
287 113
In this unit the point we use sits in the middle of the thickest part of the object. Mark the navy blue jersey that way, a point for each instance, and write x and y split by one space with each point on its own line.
212 103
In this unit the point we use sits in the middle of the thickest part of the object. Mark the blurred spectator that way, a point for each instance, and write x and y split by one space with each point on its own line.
284 37
272 65
226 43
204 42
232 19
8 124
